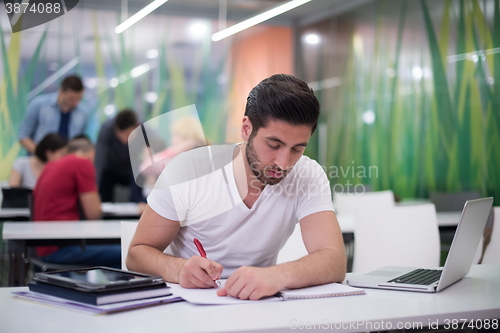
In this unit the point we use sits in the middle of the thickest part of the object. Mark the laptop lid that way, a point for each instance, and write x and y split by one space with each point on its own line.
16 197
464 245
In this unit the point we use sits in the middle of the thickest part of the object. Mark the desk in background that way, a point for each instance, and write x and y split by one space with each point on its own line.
444 219
21 235
475 297
118 210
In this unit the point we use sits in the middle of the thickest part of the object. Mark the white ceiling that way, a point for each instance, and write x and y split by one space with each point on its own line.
237 10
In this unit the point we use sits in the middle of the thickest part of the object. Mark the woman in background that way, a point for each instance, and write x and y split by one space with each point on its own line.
186 134
26 169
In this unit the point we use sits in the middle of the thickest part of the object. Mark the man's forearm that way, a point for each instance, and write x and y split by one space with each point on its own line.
323 266
28 144
147 259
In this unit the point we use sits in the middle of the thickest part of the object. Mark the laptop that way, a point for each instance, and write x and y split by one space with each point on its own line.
16 197
462 251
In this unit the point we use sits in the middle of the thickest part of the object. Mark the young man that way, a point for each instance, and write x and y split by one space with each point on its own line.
66 188
243 202
59 113
112 160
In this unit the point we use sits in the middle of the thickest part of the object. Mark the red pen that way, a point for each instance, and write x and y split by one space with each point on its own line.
202 252
200 248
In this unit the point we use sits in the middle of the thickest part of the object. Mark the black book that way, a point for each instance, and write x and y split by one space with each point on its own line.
100 298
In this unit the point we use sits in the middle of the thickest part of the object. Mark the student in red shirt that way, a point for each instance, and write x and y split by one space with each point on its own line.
65 188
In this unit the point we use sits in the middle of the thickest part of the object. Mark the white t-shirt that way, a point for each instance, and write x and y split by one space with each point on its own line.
198 189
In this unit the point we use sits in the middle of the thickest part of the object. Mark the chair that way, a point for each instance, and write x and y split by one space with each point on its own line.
492 251
361 206
294 247
356 204
32 258
401 236
127 233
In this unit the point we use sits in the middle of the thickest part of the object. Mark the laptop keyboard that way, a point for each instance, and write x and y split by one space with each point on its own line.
419 276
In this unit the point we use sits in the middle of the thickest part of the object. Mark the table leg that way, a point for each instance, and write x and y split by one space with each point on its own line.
17 269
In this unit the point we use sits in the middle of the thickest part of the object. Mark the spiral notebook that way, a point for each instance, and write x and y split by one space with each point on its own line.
325 290
209 296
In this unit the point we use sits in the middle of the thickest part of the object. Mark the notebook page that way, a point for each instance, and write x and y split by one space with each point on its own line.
325 290
209 296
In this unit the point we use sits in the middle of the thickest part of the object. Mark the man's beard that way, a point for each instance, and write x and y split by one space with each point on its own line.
254 163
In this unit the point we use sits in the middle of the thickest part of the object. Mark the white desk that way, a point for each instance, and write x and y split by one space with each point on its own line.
125 209
21 235
444 219
61 230
448 219
477 296
12 213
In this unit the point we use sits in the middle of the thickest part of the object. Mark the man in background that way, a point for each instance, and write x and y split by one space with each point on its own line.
112 159
59 113
66 189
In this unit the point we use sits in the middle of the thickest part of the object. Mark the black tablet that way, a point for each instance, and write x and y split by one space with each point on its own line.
97 279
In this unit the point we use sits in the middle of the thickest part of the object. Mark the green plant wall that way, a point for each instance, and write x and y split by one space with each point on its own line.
412 90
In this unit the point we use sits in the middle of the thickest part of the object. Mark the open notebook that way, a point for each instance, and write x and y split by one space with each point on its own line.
209 296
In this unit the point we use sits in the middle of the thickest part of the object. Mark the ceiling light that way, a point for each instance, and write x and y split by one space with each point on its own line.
417 72
138 16
312 39
198 29
90 82
368 117
110 110
114 82
257 19
152 54
139 70
150 97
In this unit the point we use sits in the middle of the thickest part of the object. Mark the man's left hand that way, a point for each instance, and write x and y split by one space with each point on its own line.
253 283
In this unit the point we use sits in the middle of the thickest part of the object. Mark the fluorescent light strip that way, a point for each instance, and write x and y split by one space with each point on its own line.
139 16
257 19
53 78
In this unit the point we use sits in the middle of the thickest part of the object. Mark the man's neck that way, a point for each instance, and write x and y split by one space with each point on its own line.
249 187
61 105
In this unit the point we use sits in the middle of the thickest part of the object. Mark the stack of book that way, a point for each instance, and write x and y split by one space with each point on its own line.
100 298
98 290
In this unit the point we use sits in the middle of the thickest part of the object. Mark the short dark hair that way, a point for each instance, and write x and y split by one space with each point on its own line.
52 142
125 119
80 143
72 82
285 98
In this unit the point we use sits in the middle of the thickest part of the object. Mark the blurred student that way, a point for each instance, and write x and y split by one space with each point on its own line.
65 188
59 113
26 169
112 159
186 133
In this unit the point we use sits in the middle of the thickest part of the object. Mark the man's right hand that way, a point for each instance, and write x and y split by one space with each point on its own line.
199 272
